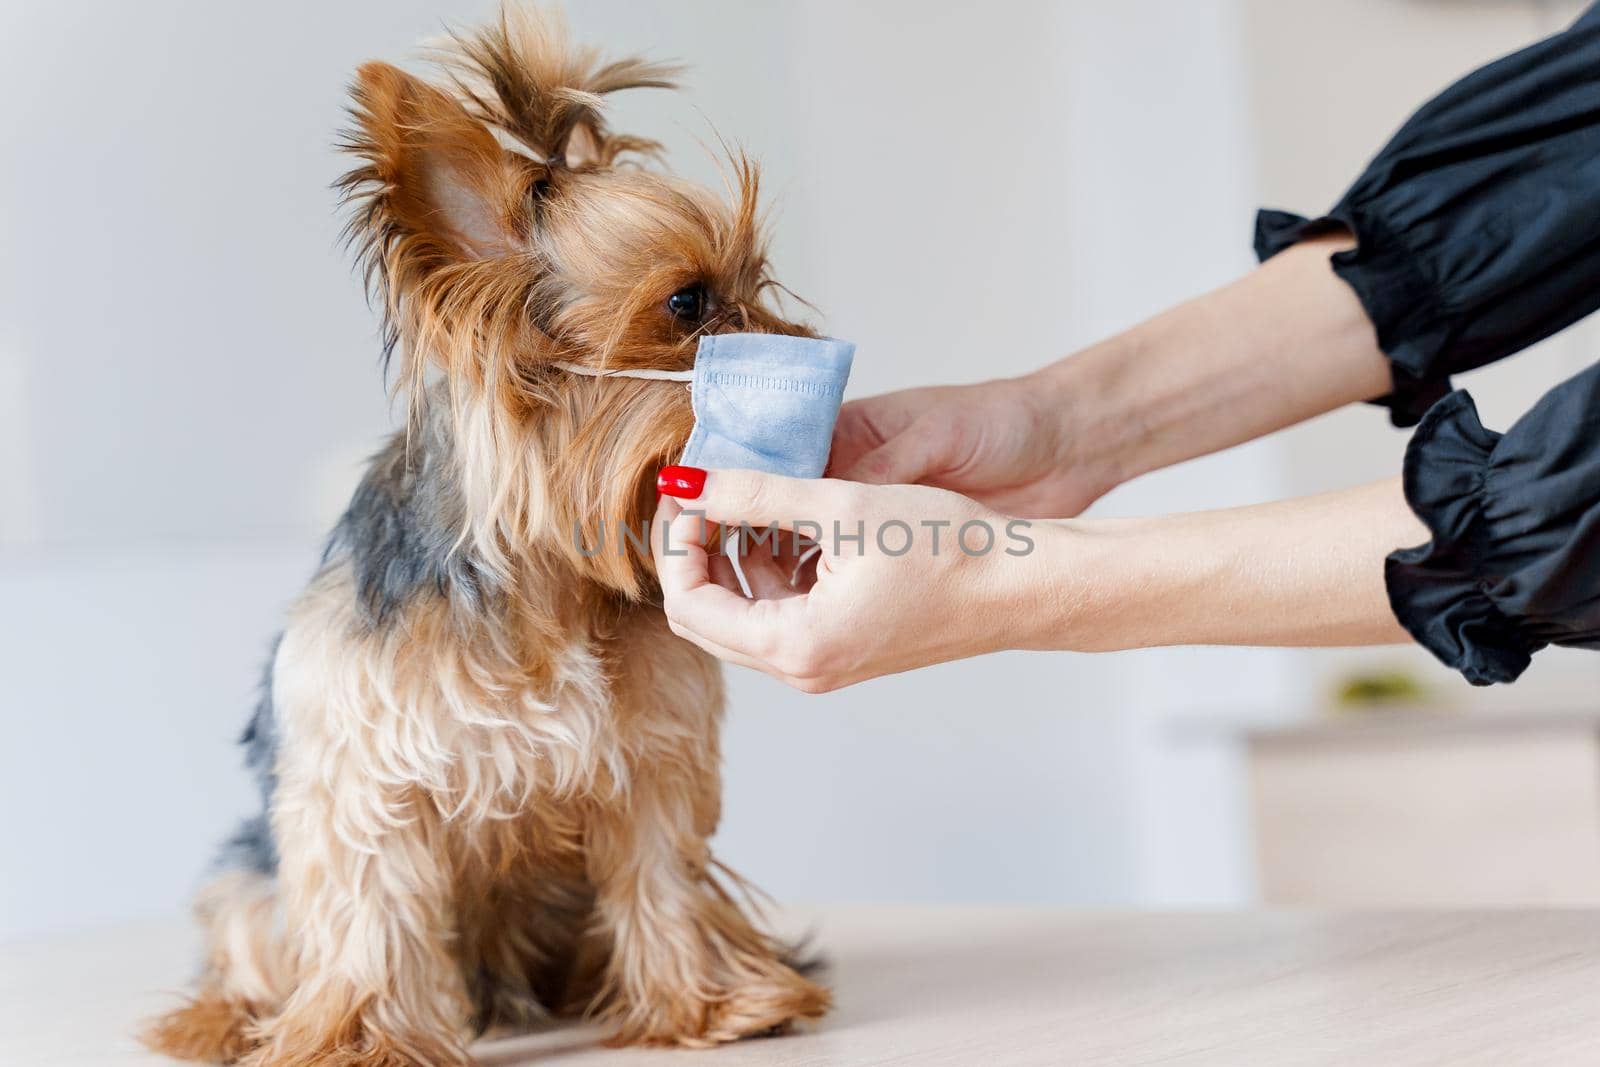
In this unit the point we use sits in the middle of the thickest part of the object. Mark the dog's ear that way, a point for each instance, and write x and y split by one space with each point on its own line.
434 184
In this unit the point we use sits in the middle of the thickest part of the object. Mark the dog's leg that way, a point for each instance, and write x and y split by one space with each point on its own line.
364 873
368 914
687 965
244 978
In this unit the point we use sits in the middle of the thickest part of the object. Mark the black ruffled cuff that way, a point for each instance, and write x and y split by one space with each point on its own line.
1400 302
1438 590
1478 224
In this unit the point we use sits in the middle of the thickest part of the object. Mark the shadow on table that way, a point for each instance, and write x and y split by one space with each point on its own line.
951 972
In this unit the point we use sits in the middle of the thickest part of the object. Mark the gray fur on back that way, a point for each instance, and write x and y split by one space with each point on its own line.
251 847
399 539
400 532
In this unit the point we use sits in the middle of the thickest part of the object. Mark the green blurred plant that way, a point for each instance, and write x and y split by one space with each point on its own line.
1381 687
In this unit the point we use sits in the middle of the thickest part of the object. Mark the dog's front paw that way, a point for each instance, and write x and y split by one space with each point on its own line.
363 1049
210 1028
760 1005
771 1005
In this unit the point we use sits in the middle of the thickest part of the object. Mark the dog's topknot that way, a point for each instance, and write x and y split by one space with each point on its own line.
522 75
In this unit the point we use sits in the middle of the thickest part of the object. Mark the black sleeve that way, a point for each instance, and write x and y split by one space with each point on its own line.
1478 225
1514 564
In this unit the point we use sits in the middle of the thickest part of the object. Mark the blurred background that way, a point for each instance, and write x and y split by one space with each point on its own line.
189 383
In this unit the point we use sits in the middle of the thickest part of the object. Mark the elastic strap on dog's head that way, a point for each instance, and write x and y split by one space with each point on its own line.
647 373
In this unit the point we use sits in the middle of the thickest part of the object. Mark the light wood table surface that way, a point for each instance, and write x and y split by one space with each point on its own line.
980 988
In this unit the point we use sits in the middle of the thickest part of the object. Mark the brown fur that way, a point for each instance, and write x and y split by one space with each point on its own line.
496 805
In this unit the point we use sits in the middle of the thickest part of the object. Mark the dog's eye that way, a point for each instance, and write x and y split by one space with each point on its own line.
688 304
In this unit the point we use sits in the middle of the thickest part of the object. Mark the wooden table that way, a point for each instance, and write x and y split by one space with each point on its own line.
986 988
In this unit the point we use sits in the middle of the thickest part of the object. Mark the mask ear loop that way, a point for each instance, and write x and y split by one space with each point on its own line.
733 548
794 576
649 374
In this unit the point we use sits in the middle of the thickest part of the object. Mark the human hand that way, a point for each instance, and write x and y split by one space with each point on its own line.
933 577
1297 572
1011 443
1288 341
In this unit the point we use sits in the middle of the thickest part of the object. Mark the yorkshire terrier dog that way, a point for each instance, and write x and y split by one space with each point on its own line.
489 769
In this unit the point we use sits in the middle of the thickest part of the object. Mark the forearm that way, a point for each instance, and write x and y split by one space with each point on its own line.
1286 342
1299 572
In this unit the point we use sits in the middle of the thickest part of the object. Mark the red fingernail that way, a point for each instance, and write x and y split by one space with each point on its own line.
685 483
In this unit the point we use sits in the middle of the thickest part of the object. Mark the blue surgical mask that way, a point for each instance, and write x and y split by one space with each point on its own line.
766 402
761 401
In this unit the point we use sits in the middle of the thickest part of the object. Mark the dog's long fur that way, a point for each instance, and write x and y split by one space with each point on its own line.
489 769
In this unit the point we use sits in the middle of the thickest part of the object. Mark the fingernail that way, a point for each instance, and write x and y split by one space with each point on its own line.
685 483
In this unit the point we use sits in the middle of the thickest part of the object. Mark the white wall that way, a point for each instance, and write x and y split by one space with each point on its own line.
192 376
188 378
965 201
